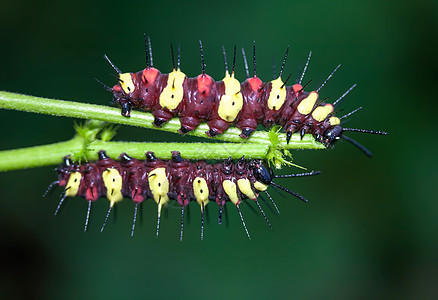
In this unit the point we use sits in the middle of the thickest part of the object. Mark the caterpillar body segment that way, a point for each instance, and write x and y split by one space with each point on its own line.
229 102
177 179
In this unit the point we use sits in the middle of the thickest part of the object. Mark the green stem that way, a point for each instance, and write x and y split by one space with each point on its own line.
52 154
188 150
140 119
37 156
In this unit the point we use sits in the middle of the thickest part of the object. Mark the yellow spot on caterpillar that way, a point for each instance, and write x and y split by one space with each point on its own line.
173 93
321 112
245 187
200 190
126 82
334 121
277 96
113 183
72 187
231 190
306 105
159 186
232 101
260 186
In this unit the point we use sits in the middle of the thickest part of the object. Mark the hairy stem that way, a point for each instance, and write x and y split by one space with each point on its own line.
37 156
140 119
52 154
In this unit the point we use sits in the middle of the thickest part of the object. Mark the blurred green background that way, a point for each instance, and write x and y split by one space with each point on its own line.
370 228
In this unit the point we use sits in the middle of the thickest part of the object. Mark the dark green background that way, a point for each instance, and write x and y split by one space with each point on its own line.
370 228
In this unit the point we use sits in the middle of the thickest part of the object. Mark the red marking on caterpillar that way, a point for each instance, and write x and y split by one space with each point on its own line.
228 102
164 180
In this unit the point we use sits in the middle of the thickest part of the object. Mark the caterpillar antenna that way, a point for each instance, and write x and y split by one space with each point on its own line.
104 85
135 219
378 132
146 50
179 57
50 188
254 59
106 218
112 65
282 86
302 89
345 94
234 60
225 58
298 175
263 213
159 216
305 67
290 192
202 220
243 221
245 62
328 78
150 52
273 202
359 146
182 222
267 204
64 195
219 218
88 216
284 61
202 58
350 113
173 58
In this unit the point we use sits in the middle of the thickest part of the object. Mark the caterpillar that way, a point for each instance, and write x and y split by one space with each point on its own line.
229 102
165 180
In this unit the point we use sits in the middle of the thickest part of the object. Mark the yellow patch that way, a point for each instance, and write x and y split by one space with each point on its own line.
173 93
277 96
113 183
245 187
260 186
72 187
200 190
126 82
159 186
232 101
334 121
321 112
306 105
231 190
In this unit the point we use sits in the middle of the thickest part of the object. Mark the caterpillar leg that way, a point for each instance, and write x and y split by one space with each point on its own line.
158 122
161 117
188 124
246 132
217 127
247 126
126 109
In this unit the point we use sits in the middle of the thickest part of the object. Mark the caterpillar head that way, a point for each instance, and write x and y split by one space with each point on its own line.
331 135
123 91
262 173
67 167
264 176
335 133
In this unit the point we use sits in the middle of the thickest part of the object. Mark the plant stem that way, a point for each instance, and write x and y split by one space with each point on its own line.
140 119
52 154
38 156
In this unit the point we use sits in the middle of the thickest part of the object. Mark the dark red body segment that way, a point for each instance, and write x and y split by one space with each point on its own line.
180 174
201 100
164 180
